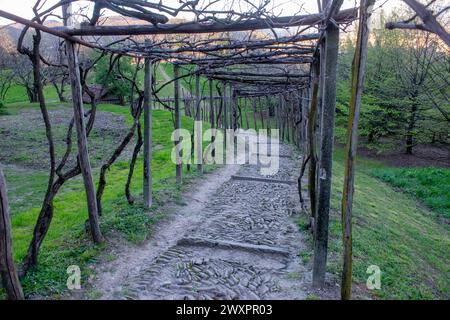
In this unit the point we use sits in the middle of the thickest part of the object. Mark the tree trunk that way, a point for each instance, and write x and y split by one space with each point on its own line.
46 214
411 126
32 96
60 91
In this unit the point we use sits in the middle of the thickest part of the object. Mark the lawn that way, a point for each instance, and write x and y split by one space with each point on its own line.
430 185
18 93
394 231
67 242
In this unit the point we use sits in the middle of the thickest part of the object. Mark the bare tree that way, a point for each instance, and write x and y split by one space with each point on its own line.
6 73
429 19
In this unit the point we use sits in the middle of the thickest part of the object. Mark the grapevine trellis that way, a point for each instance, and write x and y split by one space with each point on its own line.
288 82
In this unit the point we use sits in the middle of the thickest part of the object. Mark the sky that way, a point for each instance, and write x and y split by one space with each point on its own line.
286 7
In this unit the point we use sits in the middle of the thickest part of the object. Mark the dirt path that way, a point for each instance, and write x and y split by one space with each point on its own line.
236 239
183 91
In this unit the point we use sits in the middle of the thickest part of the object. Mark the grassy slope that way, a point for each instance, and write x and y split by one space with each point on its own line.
430 185
393 231
67 243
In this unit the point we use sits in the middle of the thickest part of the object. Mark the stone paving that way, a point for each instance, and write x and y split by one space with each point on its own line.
245 246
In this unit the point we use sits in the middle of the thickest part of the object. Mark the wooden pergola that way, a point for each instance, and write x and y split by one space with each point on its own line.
302 79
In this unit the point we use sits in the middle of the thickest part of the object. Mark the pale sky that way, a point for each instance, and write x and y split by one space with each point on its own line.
23 8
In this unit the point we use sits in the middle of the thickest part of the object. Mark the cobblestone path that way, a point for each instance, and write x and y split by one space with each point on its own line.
239 241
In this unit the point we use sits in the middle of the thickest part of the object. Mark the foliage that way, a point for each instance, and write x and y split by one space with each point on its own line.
406 91
114 79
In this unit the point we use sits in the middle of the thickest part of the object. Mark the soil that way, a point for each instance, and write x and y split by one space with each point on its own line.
423 156
23 142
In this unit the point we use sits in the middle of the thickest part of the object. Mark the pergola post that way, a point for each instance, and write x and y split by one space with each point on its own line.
198 126
230 104
83 154
148 134
225 112
179 165
269 119
326 155
261 112
254 113
358 72
278 112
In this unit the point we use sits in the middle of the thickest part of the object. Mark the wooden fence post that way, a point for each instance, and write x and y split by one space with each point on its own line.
148 134
8 270
326 155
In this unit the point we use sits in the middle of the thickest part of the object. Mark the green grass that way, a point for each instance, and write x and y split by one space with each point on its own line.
67 242
430 185
409 244
18 93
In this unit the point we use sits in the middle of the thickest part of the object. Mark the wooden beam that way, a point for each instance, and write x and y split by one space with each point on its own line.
259 81
148 134
257 75
8 270
209 27
326 155
208 47
212 63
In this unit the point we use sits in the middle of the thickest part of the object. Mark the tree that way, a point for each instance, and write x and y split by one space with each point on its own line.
407 93
56 72
23 76
6 74
115 79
